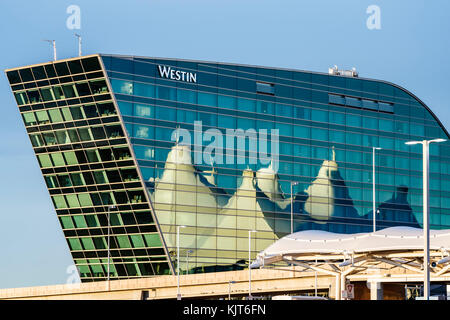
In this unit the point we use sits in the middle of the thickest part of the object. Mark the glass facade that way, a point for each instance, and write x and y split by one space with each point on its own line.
213 150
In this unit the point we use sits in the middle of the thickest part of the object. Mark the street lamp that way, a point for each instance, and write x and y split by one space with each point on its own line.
249 264
109 254
292 207
229 288
178 262
187 260
426 211
373 188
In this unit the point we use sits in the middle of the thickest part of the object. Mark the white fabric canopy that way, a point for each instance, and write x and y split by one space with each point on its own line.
321 242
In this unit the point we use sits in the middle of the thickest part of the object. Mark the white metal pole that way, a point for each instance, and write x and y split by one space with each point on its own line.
178 263
315 281
426 212
79 44
373 190
426 222
54 49
249 269
109 254
292 206
249 264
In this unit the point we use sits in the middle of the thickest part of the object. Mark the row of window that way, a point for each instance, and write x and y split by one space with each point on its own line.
59 69
284 124
66 91
361 103
77 200
58 115
51 138
252 105
286 83
89 178
117 241
58 159
118 219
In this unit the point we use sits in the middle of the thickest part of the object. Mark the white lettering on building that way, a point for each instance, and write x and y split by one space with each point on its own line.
174 74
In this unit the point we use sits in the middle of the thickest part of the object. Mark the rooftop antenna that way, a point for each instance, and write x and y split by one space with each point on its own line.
53 42
79 43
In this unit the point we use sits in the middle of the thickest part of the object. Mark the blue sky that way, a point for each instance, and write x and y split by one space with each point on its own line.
411 49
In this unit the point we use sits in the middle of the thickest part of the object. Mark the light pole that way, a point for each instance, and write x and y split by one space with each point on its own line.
292 207
109 254
249 264
426 211
79 43
229 288
178 262
373 189
187 260
53 43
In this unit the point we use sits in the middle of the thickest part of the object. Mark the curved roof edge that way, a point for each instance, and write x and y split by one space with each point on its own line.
295 70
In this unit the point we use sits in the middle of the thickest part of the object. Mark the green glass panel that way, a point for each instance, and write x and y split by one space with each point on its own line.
70 157
77 179
72 200
79 221
137 241
75 244
100 177
58 159
44 160
123 241
29 118
66 113
60 202
55 115
92 221
85 199
47 94
42 117
153 240
67 222
88 244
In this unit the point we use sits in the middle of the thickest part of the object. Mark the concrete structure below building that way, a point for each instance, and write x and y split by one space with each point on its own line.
265 284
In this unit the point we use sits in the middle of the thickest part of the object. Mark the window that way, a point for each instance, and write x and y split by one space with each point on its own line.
70 157
58 93
42 117
85 200
29 118
47 94
267 88
51 182
85 134
62 137
21 98
92 155
77 113
36 140
106 109
69 91
64 180
100 177
34 96
57 159
55 115
77 179
98 86
59 202
83 89
49 138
